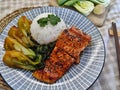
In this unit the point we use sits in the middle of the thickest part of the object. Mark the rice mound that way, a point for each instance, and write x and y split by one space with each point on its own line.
47 34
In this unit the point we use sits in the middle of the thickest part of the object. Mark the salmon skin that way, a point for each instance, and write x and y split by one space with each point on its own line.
66 52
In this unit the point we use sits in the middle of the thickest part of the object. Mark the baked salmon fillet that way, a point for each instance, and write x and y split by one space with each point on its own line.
66 52
55 66
73 41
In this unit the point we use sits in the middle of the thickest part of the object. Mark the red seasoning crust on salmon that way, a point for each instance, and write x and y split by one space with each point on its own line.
66 52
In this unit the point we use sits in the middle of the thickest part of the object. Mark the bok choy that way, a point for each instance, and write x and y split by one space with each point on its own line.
85 7
103 2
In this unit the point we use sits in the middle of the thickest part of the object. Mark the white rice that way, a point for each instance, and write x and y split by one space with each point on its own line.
47 34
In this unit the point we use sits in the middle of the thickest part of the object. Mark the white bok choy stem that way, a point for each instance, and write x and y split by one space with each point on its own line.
84 7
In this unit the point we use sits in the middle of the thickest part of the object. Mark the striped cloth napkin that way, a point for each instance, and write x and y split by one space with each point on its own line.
109 78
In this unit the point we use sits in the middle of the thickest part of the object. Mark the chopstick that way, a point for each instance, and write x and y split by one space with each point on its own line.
116 44
112 34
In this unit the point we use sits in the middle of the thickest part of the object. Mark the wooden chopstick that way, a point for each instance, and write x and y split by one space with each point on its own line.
116 44
110 31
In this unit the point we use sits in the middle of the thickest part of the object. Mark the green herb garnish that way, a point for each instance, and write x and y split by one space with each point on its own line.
42 22
51 18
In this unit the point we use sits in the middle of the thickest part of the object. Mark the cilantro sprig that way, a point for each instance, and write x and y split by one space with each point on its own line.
53 19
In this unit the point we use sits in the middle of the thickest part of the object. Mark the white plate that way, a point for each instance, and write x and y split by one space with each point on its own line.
79 77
